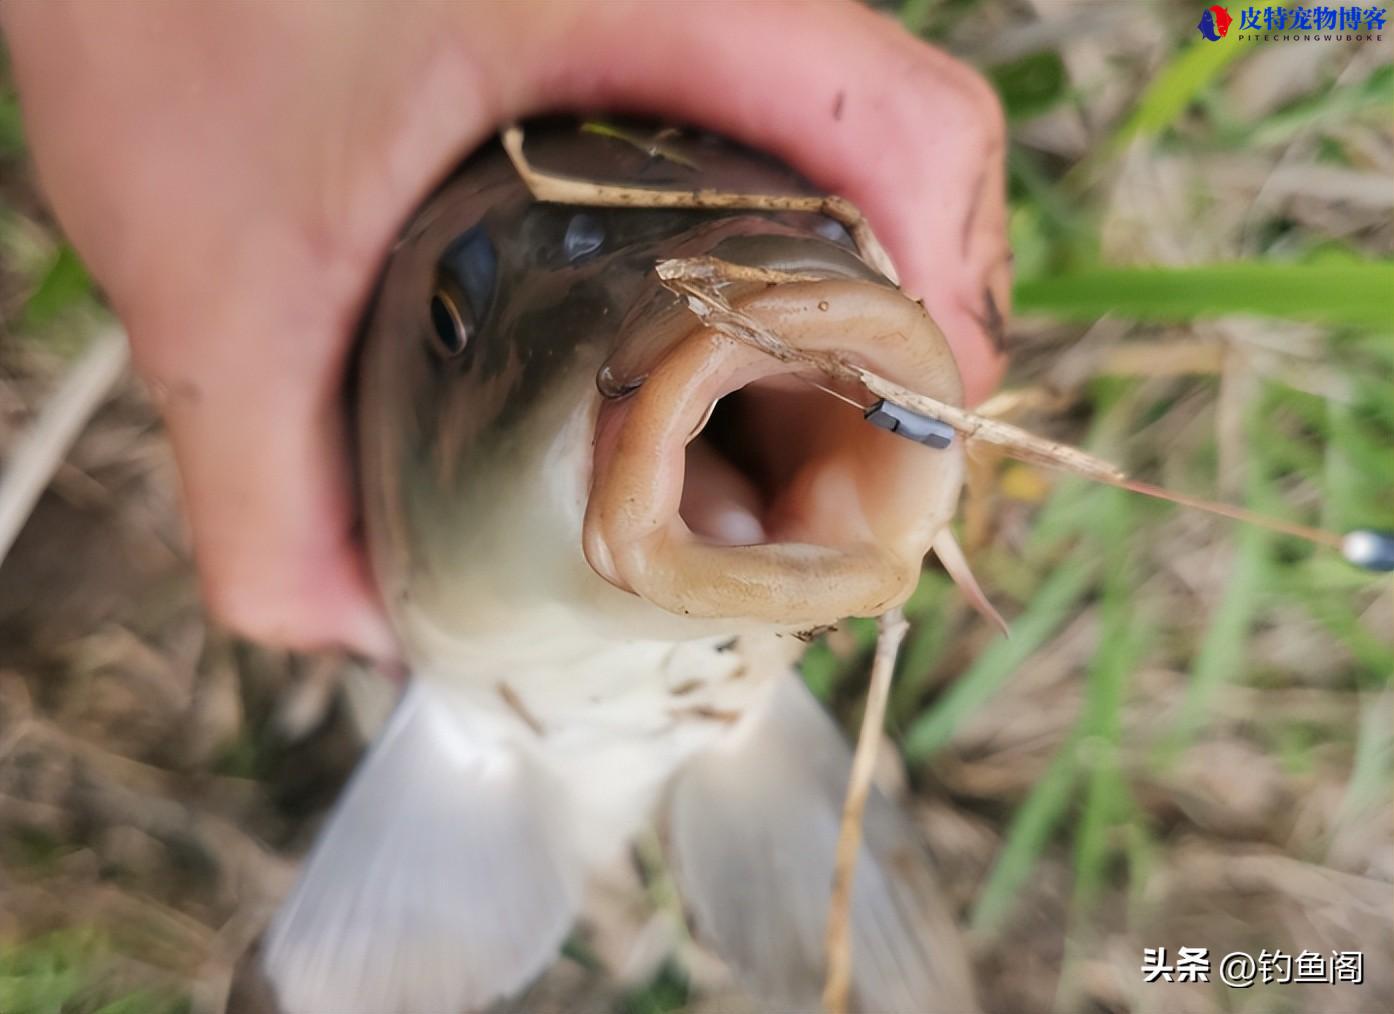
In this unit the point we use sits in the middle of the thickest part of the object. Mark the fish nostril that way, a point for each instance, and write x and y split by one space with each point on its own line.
834 231
612 387
584 236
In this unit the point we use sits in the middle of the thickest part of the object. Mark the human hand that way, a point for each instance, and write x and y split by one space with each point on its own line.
233 175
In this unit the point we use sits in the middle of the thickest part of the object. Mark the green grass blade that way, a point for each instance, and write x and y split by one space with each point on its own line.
1221 656
1173 90
1335 611
930 613
1369 781
70 970
1027 836
1049 608
1106 798
1349 293
1071 510
1329 107
1338 472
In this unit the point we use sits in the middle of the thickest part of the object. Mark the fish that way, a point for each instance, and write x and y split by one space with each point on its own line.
598 526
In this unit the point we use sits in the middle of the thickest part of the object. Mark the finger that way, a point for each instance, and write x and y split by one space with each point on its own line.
258 433
223 220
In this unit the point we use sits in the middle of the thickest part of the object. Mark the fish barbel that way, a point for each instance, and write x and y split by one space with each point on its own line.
594 521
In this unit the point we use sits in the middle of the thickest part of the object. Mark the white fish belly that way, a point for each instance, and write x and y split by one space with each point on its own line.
615 725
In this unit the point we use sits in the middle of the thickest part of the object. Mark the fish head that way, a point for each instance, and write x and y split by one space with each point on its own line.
554 450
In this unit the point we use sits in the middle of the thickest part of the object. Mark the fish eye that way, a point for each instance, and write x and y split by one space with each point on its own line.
465 277
449 321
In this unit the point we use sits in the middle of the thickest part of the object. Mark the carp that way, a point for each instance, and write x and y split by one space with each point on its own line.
596 523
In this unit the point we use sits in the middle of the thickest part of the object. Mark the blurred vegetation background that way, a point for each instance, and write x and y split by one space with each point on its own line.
1185 742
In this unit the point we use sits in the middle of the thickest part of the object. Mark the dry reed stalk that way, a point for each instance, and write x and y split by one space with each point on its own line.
890 632
39 453
559 189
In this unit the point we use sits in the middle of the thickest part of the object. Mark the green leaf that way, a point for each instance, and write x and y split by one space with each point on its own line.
1351 294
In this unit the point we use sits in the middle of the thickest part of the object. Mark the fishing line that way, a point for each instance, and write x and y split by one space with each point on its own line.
1366 548
840 397
1241 514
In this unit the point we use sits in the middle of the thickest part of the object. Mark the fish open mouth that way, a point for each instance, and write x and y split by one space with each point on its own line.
728 485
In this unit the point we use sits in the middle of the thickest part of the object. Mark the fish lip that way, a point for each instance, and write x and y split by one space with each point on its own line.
634 535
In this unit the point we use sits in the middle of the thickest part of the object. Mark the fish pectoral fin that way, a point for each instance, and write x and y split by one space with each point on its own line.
444 879
753 827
